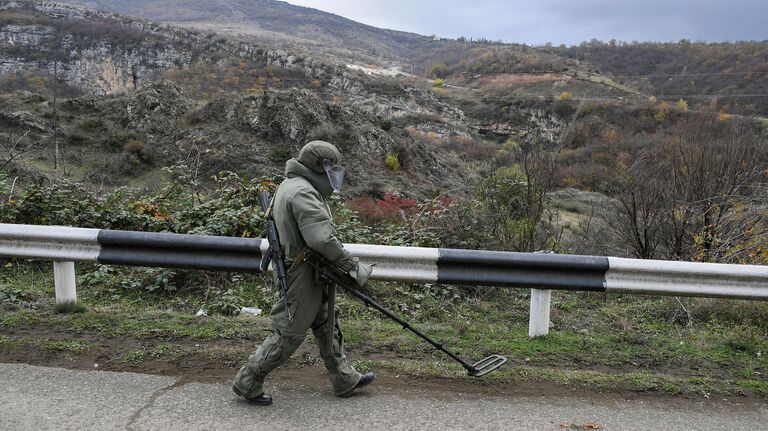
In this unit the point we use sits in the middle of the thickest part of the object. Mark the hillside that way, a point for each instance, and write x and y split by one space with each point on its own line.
728 76
136 96
116 122
275 23
129 102
105 58
731 76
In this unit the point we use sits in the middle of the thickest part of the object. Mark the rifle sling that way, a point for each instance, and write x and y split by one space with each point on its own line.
297 261
300 257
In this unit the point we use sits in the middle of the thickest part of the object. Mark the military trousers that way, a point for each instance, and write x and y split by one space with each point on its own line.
308 298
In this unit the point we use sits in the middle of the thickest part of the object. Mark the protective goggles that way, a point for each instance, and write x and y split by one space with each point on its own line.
335 174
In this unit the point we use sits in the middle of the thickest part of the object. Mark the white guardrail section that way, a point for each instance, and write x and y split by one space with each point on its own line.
542 273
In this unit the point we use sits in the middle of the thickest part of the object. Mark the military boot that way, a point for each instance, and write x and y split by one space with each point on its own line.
259 400
366 379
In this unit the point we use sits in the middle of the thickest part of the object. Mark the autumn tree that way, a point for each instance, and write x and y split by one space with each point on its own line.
438 71
688 196
514 197
637 217
713 168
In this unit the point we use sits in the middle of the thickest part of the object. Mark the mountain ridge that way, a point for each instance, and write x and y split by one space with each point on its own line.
134 95
267 21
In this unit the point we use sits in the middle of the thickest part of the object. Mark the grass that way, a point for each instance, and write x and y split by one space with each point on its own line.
706 346
597 341
158 324
70 308
10 343
134 357
63 346
18 319
651 344
166 352
230 357
26 283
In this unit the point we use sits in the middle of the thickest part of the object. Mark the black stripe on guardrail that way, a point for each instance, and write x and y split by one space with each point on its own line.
542 271
170 250
178 241
179 259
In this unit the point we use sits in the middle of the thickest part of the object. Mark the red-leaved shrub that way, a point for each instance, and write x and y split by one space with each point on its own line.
392 207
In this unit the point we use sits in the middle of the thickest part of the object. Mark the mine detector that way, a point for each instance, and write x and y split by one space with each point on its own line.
335 276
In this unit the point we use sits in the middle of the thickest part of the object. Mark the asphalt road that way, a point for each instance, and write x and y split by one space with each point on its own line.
39 398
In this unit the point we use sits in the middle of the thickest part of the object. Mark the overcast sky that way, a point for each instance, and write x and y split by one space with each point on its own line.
562 21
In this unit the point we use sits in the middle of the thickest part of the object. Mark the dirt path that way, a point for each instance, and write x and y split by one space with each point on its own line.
217 360
214 361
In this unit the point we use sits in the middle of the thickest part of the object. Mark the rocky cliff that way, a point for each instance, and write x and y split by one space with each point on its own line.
132 119
102 53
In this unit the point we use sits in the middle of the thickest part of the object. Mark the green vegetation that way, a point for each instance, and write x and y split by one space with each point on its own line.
647 344
476 166
134 357
392 162
63 346
602 342
70 307
452 58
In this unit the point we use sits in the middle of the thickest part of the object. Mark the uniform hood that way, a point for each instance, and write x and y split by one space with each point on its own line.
294 168
314 153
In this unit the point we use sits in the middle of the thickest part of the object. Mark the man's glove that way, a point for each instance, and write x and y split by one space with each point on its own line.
361 273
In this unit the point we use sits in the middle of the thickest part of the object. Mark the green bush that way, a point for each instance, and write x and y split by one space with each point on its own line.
438 71
230 208
392 162
14 295
227 302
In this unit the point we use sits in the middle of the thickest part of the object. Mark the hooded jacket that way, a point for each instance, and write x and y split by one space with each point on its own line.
303 218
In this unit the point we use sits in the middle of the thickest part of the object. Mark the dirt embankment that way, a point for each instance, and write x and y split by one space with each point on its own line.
217 361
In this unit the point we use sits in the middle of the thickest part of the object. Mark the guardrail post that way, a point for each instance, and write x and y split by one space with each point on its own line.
539 321
64 278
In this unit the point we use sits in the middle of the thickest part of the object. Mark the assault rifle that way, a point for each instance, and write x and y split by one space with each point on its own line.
334 275
275 253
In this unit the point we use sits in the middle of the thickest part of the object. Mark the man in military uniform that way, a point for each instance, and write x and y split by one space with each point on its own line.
303 220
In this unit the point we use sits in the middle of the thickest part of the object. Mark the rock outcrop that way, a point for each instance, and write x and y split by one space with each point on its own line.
29 35
526 124
126 55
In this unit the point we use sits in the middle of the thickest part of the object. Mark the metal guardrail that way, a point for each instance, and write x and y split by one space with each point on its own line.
540 272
